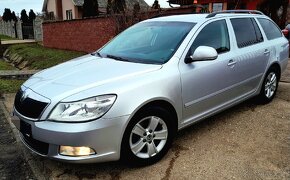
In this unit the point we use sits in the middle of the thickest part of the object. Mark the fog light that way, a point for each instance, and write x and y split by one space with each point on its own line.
76 151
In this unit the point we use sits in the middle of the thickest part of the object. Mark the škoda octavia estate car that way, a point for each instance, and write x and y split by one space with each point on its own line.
128 99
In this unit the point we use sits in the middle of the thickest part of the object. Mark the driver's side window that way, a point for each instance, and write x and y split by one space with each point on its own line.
214 35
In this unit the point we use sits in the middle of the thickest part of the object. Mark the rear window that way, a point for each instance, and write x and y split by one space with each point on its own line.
270 29
247 31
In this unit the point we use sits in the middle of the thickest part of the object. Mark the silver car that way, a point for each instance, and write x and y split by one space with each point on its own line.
128 100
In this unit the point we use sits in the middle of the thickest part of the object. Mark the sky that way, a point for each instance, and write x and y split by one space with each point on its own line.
18 5
36 5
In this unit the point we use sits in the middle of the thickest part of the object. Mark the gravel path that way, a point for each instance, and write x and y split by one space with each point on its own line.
248 141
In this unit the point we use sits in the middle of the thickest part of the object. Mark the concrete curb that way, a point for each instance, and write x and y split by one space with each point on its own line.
16 74
27 155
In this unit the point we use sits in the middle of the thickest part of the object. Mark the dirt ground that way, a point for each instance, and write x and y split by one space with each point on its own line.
248 141
12 162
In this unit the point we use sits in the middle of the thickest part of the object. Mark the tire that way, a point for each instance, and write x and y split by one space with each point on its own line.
269 86
147 137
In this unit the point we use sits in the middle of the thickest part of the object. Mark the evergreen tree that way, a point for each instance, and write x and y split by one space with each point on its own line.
156 5
276 10
14 18
90 8
118 6
7 15
109 7
24 18
32 16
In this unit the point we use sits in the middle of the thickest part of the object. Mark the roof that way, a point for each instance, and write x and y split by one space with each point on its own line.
103 4
78 2
183 2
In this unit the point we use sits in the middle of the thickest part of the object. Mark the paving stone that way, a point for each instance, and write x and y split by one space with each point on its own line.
23 64
6 52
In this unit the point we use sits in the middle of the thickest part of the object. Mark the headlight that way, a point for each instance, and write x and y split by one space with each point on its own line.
83 110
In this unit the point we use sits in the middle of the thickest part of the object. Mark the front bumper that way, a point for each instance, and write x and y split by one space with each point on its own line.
102 135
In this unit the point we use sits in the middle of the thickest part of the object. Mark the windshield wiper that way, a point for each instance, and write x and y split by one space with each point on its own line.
96 53
117 58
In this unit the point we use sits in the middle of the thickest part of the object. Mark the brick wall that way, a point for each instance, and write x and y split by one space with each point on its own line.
86 35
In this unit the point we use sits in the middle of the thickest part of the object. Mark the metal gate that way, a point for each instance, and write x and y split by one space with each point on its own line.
27 31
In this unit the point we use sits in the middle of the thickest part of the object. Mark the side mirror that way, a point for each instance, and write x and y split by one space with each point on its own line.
202 53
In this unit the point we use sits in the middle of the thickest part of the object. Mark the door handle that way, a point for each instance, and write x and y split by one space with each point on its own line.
266 51
232 62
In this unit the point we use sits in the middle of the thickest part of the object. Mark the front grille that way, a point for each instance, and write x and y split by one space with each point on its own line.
38 146
28 107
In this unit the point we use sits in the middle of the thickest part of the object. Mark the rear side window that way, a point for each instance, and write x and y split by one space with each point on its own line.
214 35
270 29
247 31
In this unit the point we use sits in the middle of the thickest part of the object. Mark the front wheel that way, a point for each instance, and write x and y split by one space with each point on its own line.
270 86
147 137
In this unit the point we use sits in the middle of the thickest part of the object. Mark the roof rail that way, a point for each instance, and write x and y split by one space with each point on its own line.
234 11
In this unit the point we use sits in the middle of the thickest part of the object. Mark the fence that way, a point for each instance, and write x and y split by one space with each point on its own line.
20 30
8 28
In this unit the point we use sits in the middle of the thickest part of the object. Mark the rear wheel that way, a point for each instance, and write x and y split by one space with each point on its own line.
270 86
147 137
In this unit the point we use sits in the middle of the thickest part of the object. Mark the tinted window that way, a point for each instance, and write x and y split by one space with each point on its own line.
270 29
247 31
214 35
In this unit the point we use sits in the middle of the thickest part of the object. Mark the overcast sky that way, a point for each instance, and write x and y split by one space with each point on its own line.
36 5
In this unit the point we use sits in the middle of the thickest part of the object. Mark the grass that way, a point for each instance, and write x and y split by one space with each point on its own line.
5 38
40 57
5 66
10 86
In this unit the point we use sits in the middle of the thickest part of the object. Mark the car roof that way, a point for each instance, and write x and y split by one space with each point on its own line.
200 18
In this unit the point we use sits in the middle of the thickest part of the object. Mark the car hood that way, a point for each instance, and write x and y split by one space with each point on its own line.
84 73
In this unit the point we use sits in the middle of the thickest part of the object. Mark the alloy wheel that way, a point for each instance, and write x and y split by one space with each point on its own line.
148 137
270 85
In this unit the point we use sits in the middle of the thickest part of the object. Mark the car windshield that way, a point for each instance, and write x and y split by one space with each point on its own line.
148 42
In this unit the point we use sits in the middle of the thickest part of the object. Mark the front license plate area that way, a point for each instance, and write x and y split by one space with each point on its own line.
25 129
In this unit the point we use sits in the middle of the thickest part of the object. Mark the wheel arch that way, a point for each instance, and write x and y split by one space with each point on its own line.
142 108
162 104
277 66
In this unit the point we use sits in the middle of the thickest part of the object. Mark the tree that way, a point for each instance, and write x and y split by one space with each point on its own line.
32 16
109 7
156 5
7 15
136 9
118 6
14 18
277 10
24 18
91 8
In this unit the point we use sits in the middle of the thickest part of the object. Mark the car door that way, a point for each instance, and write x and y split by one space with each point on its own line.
275 43
252 54
207 85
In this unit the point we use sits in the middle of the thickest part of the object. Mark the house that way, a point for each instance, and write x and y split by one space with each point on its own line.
276 9
219 5
73 9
